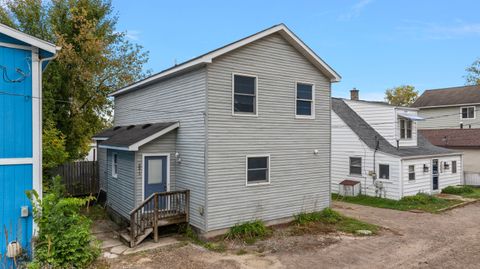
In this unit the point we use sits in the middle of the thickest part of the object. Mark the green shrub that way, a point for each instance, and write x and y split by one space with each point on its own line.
327 215
248 231
64 239
458 190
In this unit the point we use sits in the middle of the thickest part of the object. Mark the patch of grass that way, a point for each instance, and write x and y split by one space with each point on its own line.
465 191
249 231
191 235
327 221
420 201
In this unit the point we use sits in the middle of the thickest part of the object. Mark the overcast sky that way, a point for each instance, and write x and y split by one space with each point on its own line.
373 44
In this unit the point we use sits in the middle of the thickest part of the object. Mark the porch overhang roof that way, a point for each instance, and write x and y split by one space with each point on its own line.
132 137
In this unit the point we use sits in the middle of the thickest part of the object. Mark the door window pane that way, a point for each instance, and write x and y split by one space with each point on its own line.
155 171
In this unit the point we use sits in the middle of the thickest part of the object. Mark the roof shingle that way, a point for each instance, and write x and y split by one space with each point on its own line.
453 137
449 96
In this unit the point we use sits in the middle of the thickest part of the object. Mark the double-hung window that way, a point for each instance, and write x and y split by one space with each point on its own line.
468 112
411 172
244 95
114 165
258 169
355 166
405 129
305 100
384 170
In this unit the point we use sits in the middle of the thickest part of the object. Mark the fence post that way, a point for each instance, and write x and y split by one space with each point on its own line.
187 205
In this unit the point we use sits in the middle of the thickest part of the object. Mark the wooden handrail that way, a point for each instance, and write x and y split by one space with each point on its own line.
147 214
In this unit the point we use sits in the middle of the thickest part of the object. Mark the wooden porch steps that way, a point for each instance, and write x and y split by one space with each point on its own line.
126 239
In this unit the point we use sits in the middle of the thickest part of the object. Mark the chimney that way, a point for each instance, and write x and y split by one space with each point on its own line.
354 94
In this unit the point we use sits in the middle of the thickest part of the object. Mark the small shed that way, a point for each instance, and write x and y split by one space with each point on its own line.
349 188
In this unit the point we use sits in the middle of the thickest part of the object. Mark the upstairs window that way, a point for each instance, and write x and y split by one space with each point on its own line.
411 172
405 129
384 170
258 170
244 95
114 165
468 112
355 166
305 105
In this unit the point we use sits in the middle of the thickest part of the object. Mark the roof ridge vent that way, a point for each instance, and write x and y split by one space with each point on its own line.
145 126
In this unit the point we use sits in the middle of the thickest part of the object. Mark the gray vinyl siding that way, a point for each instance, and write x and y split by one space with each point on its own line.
445 118
102 167
181 98
299 179
120 190
162 145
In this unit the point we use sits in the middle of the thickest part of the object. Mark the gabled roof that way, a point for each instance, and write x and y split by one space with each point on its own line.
453 137
208 57
367 134
131 137
28 39
449 97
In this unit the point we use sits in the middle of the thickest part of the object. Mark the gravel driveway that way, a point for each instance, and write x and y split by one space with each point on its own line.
411 240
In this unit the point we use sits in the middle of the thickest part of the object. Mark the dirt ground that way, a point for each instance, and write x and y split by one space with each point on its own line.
409 240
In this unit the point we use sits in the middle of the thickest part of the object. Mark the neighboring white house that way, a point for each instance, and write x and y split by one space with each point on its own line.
377 145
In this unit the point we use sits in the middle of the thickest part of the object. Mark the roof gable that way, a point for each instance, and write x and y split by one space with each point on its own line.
449 97
367 134
208 57
14 36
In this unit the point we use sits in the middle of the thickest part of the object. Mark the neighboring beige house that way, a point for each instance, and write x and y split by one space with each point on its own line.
452 121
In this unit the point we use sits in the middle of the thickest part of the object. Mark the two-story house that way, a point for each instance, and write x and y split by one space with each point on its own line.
245 128
452 121
377 146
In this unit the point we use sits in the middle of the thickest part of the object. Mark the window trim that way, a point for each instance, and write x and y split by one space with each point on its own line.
414 172
244 114
312 116
474 112
246 170
380 164
350 165
114 165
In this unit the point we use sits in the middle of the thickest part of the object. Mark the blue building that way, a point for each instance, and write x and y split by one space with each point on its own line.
22 60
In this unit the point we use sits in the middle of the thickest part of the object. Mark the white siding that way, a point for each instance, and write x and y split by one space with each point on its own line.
181 98
346 144
423 181
446 118
299 179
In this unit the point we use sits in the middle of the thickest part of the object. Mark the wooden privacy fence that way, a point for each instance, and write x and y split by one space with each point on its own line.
80 178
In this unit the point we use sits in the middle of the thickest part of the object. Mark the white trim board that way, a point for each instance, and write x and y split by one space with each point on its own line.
36 42
208 57
15 161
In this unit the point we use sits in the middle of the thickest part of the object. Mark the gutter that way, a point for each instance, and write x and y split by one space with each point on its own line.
432 155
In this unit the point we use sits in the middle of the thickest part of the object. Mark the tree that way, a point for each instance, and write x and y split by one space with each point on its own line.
473 73
53 143
95 59
403 95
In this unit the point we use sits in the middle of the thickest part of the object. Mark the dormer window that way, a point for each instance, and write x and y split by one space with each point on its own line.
405 129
